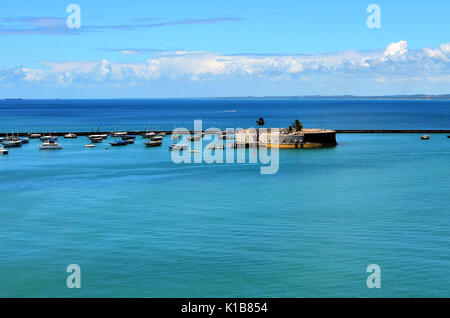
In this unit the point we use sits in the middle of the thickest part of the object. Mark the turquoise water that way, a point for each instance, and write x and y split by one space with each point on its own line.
141 226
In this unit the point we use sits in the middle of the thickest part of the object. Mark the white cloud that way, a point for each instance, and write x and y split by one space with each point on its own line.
394 63
396 49
445 48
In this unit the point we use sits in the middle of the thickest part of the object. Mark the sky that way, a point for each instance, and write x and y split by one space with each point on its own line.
197 48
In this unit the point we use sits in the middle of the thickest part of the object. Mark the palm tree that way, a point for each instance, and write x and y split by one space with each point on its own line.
298 126
259 123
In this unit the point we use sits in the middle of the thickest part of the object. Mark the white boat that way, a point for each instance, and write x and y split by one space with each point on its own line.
11 143
48 137
96 140
104 136
152 143
175 137
119 134
194 138
3 151
89 146
34 136
70 135
149 135
50 145
156 138
178 147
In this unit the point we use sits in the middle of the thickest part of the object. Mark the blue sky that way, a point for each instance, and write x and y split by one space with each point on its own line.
223 48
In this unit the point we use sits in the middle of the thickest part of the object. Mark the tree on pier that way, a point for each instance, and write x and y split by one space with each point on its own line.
297 125
260 122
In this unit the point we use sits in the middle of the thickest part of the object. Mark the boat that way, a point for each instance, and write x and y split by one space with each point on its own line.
178 147
89 146
425 137
175 137
46 138
148 135
104 136
3 151
153 143
96 140
119 134
34 136
129 141
70 135
11 143
50 145
156 138
128 137
119 143
194 151
24 140
194 138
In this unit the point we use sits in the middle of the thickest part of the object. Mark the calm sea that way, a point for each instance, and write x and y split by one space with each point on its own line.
139 225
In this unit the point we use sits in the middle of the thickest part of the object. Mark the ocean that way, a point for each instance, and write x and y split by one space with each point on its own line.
139 225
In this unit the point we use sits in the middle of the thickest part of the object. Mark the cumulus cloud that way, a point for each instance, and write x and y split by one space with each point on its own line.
396 49
395 62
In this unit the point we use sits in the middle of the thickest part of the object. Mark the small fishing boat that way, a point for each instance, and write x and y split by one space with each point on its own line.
119 134
3 151
148 135
34 136
425 137
24 140
178 147
156 138
129 141
11 143
46 138
50 144
104 136
89 146
194 151
128 137
152 143
70 135
119 143
194 138
96 140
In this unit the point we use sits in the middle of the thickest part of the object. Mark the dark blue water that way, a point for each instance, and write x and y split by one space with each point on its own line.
166 114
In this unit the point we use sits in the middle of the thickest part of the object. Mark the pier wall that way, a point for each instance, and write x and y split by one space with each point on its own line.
325 138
